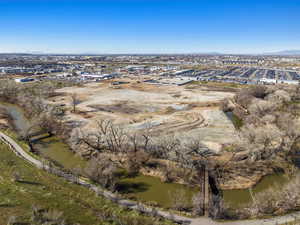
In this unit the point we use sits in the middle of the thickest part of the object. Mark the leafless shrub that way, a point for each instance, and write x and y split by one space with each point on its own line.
227 105
258 91
42 216
135 161
179 200
218 209
166 145
260 108
243 99
12 220
260 142
103 171
198 203
273 201
169 173
279 96
74 102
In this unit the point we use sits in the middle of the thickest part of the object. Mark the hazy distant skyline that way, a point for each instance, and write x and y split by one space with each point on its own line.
149 26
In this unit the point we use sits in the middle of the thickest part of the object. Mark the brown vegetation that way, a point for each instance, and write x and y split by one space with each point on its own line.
45 118
267 140
266 143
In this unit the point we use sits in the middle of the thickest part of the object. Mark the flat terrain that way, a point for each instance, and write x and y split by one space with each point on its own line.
251 73
163 109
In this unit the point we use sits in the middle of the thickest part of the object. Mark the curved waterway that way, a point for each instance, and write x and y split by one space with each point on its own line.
237 198
142 188
51 147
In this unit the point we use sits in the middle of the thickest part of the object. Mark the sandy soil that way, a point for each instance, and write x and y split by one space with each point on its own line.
166 109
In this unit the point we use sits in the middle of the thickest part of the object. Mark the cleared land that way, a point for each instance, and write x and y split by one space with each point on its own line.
163 109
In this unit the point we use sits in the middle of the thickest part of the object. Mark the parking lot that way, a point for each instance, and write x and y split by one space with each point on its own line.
244 75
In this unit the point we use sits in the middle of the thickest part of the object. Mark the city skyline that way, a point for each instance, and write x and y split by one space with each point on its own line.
149 27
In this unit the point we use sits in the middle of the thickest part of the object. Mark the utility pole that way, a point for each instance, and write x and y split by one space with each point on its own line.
206 192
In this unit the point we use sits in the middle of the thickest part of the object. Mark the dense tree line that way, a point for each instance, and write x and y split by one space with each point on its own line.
43 117
269 138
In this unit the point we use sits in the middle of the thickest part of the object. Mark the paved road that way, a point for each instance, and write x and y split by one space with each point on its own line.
130 204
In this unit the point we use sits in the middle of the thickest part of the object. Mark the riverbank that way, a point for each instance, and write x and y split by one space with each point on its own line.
89 184
55 149
196 221
35 187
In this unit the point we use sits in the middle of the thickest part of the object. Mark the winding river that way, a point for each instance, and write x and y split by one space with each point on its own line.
143 188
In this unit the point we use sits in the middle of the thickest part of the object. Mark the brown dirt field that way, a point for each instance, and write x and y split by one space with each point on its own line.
166 108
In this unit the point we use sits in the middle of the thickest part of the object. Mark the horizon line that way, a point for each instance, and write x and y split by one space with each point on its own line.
283 52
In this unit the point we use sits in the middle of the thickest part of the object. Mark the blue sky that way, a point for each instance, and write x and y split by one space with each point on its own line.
149 26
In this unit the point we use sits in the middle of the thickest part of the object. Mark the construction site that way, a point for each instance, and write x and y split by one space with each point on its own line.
162 109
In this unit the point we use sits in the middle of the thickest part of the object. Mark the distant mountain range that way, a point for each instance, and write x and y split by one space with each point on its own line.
285 52
279 53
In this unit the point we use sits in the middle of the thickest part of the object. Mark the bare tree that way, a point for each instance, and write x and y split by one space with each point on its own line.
218 209
103 171
12 220
179 199
198 203
74 101
137 151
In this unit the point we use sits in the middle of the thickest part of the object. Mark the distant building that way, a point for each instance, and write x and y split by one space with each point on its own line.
184 73
24 80
98 77
242 62
275 81
267 81
295 82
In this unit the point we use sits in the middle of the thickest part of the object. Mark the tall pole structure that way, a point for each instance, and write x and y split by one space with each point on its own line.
206 192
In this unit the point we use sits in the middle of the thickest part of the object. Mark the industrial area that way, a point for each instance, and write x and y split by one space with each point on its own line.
160 70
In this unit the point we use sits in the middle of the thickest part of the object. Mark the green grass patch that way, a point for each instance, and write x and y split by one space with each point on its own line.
236 121
36 187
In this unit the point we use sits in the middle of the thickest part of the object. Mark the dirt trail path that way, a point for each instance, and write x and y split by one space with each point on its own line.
196 121
129 204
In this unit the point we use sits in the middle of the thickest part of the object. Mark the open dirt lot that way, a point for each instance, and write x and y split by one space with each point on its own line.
163 108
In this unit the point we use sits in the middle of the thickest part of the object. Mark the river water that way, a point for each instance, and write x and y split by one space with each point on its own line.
239 197
153 189
142 188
